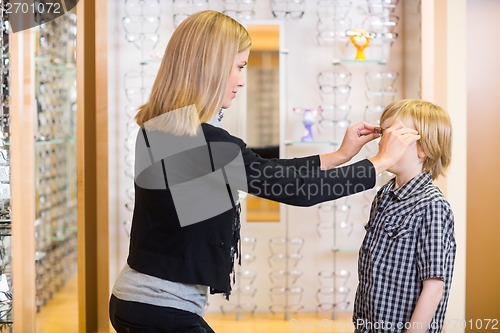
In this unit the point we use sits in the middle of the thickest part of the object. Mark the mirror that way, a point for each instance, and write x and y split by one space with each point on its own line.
263 109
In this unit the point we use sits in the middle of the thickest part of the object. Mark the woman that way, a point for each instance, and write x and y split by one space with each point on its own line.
185 227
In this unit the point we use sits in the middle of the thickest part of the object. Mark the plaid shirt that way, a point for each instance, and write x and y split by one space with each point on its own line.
409 238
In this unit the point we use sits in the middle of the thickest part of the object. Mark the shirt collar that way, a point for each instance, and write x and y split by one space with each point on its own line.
409 189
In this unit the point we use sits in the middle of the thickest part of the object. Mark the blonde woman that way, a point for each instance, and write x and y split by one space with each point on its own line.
188 171
407 257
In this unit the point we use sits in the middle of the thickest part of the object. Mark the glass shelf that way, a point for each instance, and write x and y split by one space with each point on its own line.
354 61
45 141
46 63
65 139
304 143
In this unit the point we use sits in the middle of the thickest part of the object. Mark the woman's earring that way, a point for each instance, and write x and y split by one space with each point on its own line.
220 115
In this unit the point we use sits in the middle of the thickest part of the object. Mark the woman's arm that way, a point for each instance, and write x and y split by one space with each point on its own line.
427 303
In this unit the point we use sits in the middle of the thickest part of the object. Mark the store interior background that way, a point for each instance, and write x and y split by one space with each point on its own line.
458 73
294 84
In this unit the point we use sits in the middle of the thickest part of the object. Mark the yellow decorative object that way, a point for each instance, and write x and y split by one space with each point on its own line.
360 38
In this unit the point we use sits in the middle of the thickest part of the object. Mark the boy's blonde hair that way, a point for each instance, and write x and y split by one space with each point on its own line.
191 82
434 127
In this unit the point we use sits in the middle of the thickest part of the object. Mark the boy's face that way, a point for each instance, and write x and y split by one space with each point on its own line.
412 159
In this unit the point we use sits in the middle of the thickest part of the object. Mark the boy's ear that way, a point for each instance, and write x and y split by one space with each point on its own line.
421 152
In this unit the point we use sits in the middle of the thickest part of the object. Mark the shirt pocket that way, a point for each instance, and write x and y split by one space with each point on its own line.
399 226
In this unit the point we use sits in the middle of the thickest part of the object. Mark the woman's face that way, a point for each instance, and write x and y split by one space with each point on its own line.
235 80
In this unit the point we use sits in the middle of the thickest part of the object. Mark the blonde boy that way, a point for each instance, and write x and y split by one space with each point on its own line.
406 259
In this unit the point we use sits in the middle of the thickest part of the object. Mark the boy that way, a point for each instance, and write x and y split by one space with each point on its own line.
406 259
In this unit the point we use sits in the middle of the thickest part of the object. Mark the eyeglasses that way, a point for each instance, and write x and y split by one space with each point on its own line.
344 226
142 7
381 38
293 9
279 276
324 307
381 96
373 112
131 111
329 275
337 94
127 226
248 258
129 206
141 24
249 242
327 79
183 8
280 244
334 112
377 80
332 123
239 9
240 14
328 10
248 290
246 277
381 24
329 210
142 41
324 293
138 84
280 259
142 31
337 26
292 294
380 6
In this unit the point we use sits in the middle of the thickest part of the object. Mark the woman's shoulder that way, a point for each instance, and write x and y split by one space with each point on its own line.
218 134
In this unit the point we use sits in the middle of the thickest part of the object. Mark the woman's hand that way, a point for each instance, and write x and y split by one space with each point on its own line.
355 138
392 145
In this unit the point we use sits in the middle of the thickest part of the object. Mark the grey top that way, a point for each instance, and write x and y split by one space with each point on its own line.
138 287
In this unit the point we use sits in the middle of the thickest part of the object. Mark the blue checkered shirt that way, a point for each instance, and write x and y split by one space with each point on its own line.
409 238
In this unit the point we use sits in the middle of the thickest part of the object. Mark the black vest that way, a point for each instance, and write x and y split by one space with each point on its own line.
201 253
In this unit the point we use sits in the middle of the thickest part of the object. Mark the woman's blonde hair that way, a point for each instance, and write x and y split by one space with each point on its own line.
434 127
190 85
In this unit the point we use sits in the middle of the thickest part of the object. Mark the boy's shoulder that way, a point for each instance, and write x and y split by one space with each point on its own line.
434 202
426 195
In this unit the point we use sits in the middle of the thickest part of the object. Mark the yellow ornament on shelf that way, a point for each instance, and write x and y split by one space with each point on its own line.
360 38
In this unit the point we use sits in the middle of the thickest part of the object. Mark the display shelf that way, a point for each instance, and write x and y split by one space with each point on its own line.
61 140
42 147
359 62
306 143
